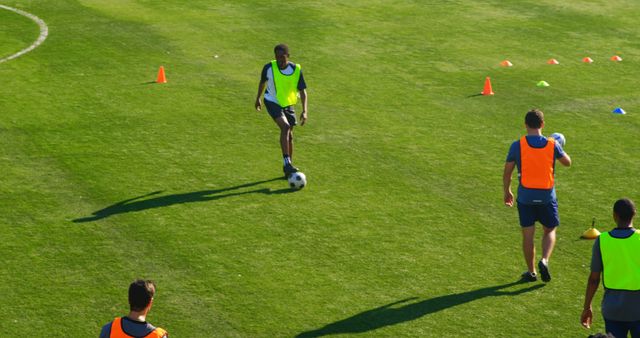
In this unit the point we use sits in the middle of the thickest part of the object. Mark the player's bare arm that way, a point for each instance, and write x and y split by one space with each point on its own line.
565 160
592 286
261 87
506 183
303 115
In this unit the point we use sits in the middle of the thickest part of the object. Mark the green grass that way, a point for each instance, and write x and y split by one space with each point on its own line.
16 33
107 177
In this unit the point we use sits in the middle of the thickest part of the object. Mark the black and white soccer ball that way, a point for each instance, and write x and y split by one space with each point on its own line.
297 180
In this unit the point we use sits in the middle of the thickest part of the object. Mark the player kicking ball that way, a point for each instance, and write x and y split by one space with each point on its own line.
283 81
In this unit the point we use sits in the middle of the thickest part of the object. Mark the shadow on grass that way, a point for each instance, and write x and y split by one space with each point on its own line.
143 202
394 313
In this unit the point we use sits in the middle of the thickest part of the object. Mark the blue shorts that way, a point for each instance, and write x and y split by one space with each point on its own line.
276 111
546 214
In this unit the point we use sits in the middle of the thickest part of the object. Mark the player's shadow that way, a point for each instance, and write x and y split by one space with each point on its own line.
395 313
143 202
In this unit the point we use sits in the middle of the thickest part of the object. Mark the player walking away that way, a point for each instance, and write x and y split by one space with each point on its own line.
535 156
616 257
141 293
283 80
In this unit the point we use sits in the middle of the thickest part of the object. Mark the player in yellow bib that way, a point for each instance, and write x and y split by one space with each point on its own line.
283 82
616 258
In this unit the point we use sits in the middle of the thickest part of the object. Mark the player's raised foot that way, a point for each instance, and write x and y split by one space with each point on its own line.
544 271
288 170
529 276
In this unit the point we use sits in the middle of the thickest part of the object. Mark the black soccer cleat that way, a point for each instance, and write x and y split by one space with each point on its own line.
288 170
529 276
544 271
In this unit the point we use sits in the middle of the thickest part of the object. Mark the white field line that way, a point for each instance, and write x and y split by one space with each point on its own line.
44 31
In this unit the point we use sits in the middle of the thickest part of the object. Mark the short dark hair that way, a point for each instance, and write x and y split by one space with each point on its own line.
625 209
281 47
141 293
534 118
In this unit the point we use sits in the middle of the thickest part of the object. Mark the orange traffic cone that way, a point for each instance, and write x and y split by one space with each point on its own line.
161 77
487 87
506 63
616 58
553 62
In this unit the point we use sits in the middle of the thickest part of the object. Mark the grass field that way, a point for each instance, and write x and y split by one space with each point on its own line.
401 230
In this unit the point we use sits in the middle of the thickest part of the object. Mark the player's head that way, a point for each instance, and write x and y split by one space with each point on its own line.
623 211
141 294
534 119
281 49
282 54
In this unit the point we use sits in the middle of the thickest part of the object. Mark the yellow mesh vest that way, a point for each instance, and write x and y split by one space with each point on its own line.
620 262
286 85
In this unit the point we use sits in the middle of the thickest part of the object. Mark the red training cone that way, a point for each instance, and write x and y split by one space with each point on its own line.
506 63
553 62
616 58
587 60
487 87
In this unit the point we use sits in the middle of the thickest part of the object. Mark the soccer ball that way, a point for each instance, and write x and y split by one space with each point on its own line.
559 138
297 180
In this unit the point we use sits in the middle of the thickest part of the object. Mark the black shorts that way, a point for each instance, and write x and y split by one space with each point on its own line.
276 111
